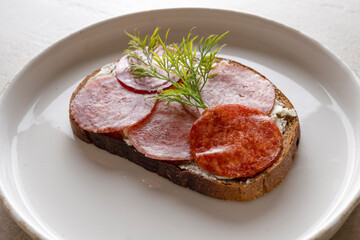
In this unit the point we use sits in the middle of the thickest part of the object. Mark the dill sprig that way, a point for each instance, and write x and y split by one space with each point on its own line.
191 63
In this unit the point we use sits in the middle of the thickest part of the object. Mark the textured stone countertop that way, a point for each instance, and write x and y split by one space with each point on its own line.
28 27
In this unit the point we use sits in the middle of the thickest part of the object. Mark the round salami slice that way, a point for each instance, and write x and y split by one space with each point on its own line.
237 84
164 135
142 85
235 141
104 106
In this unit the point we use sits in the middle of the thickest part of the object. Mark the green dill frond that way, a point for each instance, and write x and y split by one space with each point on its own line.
191 63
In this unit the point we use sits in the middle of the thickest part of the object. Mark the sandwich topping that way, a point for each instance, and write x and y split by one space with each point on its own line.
142 84
104 106
164 135
235 141
279 114
192 64
157 93
236 84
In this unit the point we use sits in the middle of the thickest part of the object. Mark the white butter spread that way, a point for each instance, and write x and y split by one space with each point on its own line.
224 61
194 168
127 141
279 113
107 70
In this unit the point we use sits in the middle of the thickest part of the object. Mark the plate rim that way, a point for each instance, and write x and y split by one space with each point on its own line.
329 226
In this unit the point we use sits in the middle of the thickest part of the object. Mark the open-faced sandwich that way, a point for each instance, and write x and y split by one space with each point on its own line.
210 124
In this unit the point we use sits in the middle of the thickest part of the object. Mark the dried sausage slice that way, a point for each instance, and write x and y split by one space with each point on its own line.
142 85
237 84
235 141
104 106
164 135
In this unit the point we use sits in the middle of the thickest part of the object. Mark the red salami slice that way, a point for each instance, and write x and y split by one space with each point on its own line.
236 84
164 135
104 106
235 141
140 85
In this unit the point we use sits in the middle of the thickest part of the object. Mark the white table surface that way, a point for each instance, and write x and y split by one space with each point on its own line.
28 27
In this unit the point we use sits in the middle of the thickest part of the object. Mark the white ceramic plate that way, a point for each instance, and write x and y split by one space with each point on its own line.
57 187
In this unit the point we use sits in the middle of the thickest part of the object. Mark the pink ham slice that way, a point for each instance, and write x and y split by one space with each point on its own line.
104 106
236 84
142 85
164 135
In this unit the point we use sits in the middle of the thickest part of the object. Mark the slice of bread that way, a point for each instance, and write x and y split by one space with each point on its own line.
187 174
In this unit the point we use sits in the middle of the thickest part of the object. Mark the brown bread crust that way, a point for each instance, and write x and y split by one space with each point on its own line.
236 189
